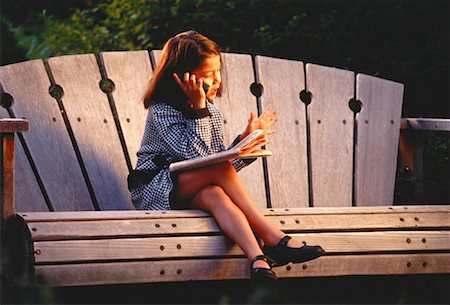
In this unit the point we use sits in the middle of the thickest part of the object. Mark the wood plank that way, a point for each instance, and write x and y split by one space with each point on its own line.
89 112
237 268
31 200
124 215
282 81
361 209
155 56
425 124
63 230
12 125
378 128
331 126
105 215
236 103
142 248
208 246
130 71
48 140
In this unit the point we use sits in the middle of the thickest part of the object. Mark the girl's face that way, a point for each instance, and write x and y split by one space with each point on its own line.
209 71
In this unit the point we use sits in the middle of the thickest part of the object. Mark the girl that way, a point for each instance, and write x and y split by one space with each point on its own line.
183 123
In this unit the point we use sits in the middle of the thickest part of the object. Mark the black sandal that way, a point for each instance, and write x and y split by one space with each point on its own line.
282 254
262 274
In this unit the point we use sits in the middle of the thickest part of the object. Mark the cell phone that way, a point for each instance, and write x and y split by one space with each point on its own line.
205 86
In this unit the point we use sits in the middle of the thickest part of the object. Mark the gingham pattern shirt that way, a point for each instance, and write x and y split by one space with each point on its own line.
178 135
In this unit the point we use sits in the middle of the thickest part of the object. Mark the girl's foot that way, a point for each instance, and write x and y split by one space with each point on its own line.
260 269
282 254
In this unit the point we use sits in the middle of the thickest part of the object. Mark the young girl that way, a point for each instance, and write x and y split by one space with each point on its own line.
183 123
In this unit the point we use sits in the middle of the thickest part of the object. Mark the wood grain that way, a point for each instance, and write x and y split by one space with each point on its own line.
237 268
236 103
89 113
48 140
130 71
7 172
88 229
425 124
13 125
128 215
282 81
32 200
209 246
378 128
331 125
27 195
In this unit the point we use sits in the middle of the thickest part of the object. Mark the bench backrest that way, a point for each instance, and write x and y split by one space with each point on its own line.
83 140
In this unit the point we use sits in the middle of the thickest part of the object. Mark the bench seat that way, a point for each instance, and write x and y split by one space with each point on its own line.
120 247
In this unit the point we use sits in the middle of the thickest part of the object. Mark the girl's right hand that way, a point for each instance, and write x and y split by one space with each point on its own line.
193 88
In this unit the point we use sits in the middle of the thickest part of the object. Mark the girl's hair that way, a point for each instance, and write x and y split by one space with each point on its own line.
181 53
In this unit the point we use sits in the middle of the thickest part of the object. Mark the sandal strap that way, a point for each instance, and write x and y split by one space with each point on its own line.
265 258
283 242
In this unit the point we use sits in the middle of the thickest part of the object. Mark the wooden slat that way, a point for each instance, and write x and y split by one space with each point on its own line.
213 269
124 215
205 246
130 72
32 200
90 114
236 103
331 125
106 215
282 81
48 140
155 56
134 248
378 126
361 210
63 230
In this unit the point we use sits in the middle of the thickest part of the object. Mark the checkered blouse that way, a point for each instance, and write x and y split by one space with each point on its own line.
177 135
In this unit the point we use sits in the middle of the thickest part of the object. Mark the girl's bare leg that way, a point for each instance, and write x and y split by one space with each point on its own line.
190 183
231 220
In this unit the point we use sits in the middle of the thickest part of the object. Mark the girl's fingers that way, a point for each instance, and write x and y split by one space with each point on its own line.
178 81
193 80
252 117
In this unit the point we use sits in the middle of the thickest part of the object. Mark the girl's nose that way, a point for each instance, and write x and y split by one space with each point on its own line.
217 77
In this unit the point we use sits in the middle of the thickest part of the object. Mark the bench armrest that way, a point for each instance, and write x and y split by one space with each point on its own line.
7 129
425 124
411 145
13 125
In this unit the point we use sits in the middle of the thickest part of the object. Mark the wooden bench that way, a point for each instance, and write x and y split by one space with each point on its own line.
67 210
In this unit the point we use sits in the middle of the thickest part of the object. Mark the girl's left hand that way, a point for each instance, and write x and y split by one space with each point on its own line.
265 121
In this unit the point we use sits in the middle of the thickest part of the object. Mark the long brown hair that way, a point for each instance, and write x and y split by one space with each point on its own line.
181 53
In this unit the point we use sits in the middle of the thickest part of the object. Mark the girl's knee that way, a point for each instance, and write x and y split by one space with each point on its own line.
208 196
212 193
